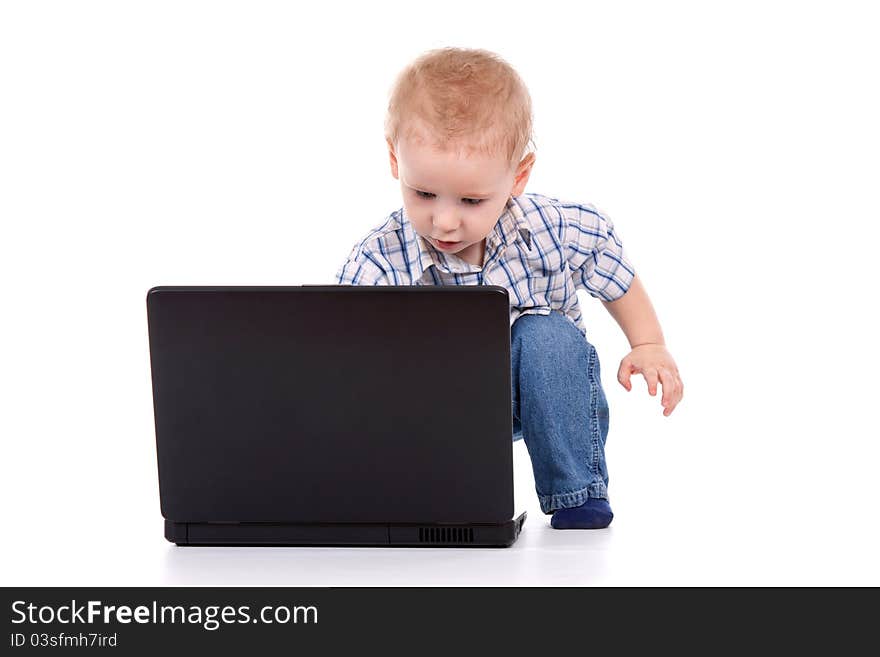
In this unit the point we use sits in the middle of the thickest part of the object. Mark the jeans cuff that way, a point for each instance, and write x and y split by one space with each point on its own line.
549 503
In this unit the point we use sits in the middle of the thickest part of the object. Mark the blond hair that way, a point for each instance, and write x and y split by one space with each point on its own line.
465 98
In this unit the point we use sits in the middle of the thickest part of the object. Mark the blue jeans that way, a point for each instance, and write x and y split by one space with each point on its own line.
559 409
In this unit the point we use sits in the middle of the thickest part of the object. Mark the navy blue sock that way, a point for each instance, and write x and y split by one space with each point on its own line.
595 513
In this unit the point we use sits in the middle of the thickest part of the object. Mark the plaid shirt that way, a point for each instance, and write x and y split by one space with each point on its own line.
541 250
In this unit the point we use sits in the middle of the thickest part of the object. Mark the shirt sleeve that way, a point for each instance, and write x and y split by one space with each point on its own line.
362 268
595 253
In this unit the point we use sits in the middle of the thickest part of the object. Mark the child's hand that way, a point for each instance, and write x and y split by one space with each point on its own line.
655 363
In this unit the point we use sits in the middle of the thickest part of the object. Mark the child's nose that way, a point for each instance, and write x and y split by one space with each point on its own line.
446 220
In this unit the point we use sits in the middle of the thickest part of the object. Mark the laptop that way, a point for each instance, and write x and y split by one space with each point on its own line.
333 415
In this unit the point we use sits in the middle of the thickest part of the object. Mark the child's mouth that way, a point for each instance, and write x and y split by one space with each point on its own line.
446 245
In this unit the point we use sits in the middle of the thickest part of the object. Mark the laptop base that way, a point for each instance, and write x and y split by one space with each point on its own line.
344 534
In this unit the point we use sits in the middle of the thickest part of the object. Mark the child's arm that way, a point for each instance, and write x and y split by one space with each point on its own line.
649 357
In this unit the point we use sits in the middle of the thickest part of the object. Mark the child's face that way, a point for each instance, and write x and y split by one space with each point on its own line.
454 200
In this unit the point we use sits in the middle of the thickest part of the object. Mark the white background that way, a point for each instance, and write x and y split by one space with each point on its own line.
735 146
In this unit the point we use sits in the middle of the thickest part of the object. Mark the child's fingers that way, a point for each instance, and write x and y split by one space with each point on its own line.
670 389
624 372
652 379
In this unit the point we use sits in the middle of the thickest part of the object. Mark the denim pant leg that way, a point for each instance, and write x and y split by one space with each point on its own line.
559 409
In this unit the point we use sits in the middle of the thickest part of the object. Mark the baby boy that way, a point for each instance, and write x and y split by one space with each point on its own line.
458 129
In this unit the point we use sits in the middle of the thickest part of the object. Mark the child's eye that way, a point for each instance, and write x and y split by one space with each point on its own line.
429 195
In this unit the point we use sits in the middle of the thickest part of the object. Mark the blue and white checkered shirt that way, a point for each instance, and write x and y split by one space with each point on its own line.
541 250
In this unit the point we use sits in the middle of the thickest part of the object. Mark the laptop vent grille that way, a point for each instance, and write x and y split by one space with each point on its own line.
446 535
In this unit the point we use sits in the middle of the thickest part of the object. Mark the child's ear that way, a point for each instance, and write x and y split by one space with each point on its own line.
393 158
523 171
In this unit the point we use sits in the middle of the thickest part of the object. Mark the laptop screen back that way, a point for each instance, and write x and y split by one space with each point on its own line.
332 403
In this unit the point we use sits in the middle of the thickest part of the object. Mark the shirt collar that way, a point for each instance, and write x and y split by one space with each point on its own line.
510 227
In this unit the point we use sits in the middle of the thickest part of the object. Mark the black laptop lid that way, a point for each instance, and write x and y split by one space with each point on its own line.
332 403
